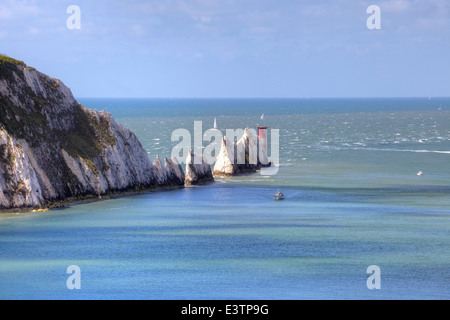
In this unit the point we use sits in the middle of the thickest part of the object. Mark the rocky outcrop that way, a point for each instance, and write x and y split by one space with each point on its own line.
226 163
198 171
244 156
171 174
53 149
175 173
16 172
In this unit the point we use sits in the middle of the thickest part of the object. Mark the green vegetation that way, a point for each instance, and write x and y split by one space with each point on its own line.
5 59
103 131
50 82
89 138
8 66
23 127
92 166
12 159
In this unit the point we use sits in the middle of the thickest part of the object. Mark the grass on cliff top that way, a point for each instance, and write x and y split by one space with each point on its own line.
6 59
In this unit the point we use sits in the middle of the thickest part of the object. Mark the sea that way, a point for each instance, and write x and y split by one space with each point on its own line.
358 220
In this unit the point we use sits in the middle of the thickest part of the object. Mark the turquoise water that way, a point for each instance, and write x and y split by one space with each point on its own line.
353 199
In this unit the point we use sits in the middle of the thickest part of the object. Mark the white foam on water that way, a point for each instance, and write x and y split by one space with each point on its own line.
404 150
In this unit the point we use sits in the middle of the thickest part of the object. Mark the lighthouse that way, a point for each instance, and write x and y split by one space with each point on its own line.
262 137
263 159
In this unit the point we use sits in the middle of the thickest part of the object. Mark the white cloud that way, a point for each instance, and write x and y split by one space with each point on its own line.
315 10
138 30
443 7
11 9
199 55
146 8
203 19
33 31
5 12
395 6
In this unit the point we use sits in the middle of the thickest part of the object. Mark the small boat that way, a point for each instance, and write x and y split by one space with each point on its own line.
279 195
420 173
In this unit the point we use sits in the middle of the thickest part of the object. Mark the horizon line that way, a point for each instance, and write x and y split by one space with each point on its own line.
268 98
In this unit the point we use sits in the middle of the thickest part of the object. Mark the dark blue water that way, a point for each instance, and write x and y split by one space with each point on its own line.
239 107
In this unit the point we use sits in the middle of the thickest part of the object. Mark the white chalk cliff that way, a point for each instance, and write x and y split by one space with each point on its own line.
53 149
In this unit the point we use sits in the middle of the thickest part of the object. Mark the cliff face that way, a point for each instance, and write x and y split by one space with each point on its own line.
52 148
243 156
198 171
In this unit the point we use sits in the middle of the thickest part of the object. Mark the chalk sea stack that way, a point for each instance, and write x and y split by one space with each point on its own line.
53 149
198 171
245 156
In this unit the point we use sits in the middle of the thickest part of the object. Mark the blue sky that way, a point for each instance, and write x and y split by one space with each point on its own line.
234 48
